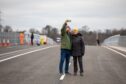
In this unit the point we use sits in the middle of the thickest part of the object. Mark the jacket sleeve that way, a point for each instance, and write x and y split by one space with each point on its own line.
63 30
82 47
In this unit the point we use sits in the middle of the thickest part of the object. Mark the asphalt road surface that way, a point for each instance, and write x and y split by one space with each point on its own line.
39 65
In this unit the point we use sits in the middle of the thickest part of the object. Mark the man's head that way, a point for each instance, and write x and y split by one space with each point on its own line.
68 29
75 30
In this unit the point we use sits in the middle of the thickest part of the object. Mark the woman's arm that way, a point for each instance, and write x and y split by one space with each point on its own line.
82 46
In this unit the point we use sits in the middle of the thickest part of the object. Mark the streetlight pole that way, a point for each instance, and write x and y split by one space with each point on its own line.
1 29
0 17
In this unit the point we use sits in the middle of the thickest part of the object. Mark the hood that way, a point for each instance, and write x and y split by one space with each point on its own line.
79 34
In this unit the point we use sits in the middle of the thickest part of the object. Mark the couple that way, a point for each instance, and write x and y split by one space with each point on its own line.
71 45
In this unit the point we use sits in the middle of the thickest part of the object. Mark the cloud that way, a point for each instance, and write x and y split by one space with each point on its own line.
98 14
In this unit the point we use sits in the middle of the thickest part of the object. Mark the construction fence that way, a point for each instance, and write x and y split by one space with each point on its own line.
22 38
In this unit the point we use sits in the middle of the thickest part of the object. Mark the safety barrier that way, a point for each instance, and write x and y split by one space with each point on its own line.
38 39
9 38
22 38
116 40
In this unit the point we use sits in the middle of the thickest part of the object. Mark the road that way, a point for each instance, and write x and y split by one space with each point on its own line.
39 65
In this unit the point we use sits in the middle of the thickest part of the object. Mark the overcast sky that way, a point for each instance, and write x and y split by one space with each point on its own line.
97 14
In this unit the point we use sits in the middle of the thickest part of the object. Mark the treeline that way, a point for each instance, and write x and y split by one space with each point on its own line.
89 36
48 30
6 28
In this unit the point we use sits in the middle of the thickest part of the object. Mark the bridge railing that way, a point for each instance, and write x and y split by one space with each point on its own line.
115 40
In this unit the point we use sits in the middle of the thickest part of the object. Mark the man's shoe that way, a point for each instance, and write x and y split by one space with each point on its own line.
81 74
61 73
67 73
75 74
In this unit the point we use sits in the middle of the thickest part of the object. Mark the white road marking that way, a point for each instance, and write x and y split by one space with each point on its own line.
115 51
25 54
15 51
118 48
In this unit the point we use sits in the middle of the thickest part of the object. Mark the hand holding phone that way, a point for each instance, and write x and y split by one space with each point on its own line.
67 21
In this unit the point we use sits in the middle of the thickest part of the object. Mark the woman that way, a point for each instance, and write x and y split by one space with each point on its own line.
78 50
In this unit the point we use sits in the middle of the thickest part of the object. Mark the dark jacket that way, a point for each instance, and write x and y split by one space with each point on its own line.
78 47
32 36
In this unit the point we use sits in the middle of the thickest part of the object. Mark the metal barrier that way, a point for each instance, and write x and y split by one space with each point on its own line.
17 38
9 38
38 39
116 40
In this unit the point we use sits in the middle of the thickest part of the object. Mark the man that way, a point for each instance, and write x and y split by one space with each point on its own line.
65 48
98 42
97 39
32 38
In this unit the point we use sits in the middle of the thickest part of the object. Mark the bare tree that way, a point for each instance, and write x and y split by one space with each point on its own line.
8 28
108 31
85 28
1 28
123 31
32 30
54 33
37 31
47 30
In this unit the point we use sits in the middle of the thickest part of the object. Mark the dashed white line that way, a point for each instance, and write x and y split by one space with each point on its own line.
25 54
15 51
115 51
